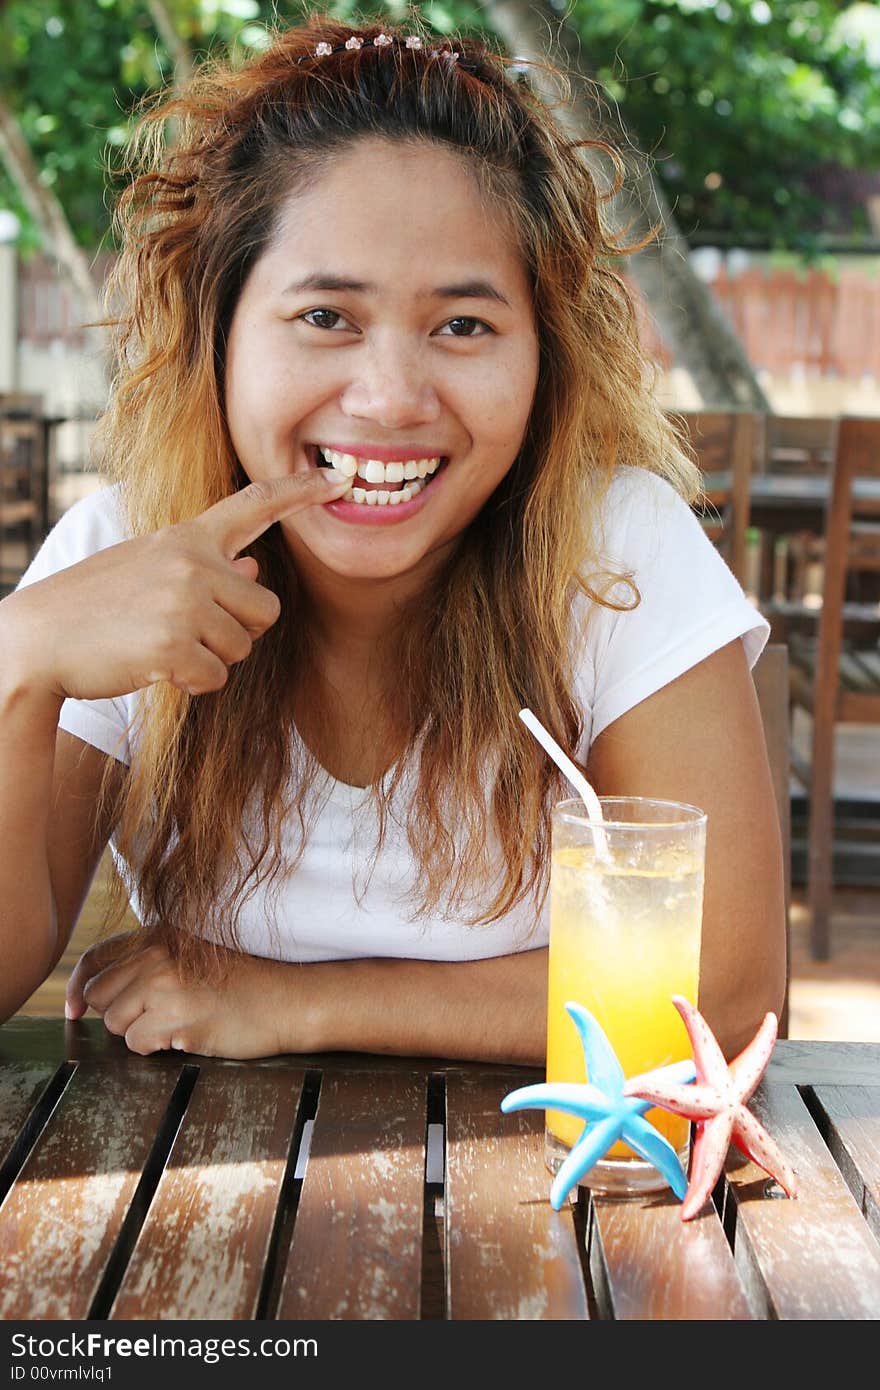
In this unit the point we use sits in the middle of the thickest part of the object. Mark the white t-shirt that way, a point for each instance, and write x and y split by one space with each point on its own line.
330 908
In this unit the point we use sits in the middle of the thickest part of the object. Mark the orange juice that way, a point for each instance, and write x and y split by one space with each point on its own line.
624 937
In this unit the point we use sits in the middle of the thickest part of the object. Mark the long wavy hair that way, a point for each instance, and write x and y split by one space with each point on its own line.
496 631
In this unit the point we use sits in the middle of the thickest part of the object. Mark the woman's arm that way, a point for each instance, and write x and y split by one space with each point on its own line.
28 921
700 740
491 1010
50 842
174 605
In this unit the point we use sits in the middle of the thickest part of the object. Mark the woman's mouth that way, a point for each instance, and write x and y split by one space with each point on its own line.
378 484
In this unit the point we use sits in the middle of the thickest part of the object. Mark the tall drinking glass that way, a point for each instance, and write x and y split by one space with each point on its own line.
625 929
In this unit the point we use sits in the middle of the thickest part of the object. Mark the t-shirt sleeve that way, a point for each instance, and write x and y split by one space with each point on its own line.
88 526
690 604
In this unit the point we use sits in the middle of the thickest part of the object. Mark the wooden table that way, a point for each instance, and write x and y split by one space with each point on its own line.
789 501
168 1188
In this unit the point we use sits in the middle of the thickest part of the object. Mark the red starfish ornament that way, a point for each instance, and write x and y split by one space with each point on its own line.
716 1103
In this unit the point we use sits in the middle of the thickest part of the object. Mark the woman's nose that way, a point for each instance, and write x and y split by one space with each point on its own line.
392 388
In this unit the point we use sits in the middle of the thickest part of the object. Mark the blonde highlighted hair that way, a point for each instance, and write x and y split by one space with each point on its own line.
496 630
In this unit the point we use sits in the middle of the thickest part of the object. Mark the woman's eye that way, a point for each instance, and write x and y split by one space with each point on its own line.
463 328
318 318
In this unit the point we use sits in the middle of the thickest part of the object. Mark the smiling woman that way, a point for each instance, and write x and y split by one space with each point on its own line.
375 373
385 470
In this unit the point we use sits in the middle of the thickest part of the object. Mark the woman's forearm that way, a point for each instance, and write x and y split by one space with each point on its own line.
28 926
491 1010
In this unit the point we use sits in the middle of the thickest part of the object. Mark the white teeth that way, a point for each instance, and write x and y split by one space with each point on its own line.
372 471
414 472
380 497
346 463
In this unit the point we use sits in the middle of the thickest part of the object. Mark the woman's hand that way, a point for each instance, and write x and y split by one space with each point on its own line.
492 1010
172 606
145 999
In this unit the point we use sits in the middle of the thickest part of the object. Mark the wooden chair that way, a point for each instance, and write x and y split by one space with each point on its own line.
771 686
23 484
801 445
835 664
723 443
795 443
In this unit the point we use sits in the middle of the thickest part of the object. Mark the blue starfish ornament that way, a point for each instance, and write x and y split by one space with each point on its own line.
609 1115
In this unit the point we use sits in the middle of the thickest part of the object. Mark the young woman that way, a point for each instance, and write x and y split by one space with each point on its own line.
385 470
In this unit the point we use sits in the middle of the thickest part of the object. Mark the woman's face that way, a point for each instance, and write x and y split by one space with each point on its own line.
389 320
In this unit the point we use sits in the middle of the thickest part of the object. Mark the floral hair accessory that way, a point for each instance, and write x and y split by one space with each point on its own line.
382 40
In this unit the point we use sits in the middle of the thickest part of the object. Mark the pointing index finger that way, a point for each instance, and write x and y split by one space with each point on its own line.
241 518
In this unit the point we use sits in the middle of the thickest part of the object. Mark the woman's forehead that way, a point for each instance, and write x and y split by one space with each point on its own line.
410 214
396 178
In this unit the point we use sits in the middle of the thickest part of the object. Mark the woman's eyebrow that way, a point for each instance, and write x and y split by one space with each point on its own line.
468 289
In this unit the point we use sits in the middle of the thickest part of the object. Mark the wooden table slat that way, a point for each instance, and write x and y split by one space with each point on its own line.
852 1133
21 1085
202 1249
814 1257
356 1251
509 1254
649 1264
812 1064
62 1216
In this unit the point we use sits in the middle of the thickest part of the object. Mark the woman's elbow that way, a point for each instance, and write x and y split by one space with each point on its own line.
742 984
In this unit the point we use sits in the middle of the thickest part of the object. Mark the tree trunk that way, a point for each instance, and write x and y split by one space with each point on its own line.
178 49
687 314
47 212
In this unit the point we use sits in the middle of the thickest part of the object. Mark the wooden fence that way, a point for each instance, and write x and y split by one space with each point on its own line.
796 322
49 310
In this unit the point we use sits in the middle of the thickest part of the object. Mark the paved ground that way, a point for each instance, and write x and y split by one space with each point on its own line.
838 998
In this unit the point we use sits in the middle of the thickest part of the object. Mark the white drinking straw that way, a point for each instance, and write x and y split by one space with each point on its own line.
574 775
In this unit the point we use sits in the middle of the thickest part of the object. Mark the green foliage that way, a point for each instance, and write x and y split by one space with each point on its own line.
72 70
751 111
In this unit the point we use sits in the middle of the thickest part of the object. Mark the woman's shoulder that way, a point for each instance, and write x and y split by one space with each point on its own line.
96 518
93 523
638 496
638 512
